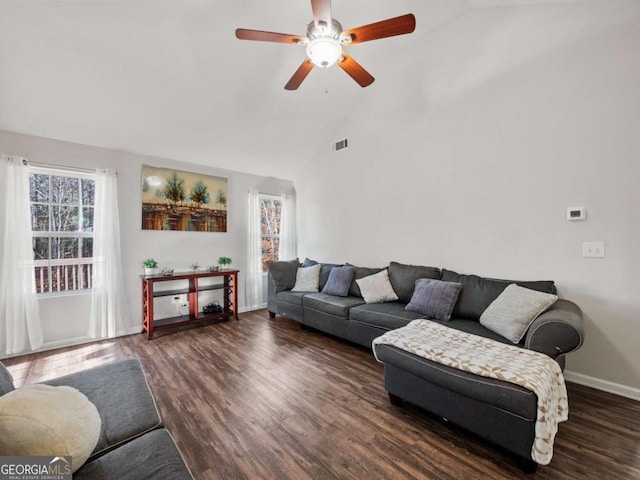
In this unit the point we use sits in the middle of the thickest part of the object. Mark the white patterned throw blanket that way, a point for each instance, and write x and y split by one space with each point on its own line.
488 358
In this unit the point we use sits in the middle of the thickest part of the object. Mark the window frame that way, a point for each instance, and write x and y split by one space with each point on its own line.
277 236
50 264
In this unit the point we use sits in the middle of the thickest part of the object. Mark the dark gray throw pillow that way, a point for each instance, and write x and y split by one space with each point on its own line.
478 292
284 273
308 263
403 278
434 298
339 281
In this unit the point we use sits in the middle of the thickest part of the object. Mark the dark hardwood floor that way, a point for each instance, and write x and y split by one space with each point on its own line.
260 398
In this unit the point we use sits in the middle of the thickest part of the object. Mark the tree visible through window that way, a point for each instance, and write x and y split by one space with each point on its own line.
62 207
270 215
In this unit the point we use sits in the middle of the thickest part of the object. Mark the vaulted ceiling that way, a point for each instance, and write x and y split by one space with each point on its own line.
169 78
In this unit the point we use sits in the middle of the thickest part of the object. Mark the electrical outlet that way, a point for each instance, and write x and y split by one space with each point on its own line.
593 249
176 300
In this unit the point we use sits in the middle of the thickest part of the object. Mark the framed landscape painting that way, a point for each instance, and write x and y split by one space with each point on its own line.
185 201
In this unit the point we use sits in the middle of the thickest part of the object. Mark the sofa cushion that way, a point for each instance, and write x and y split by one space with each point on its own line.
360 272
377 288
498 393
334 305
307 279
294 298
514 311
122 396
477 292
388 315
325 269
339 281
45 420
474 327
403 278
283 273
434 298
6 380
151 456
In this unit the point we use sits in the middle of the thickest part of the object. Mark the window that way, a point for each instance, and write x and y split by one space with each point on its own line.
270 215
62 205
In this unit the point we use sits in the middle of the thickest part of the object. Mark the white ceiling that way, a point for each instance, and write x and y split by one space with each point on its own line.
169 78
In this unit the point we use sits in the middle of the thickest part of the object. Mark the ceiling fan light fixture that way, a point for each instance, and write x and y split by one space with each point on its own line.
324 51
325 40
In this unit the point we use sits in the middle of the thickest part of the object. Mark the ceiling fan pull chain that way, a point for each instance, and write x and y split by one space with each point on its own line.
326 78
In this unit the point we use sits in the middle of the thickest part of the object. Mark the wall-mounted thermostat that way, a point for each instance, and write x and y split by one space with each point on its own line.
340 145
576 213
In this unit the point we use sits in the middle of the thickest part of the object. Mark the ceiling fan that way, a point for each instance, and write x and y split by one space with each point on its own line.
325 39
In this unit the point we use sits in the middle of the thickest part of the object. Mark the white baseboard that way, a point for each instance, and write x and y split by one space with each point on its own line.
604 385
249 309
70 342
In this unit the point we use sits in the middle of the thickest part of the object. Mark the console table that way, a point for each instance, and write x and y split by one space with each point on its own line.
228 284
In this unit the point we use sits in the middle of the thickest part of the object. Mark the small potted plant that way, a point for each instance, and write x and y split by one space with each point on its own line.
224 261
150 266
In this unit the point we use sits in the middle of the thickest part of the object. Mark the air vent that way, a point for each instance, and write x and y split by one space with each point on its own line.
340 145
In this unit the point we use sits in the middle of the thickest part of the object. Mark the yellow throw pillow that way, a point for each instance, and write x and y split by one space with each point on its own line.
41 420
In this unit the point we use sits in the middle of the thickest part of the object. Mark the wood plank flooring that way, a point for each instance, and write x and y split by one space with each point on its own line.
265 399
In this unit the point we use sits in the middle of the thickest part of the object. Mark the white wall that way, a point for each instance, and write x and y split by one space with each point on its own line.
65 318
505 118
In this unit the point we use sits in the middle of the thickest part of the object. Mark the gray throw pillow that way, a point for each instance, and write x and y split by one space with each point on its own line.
478 292
308 262
434 298
283 273
6 380
324 270
403 278
339 281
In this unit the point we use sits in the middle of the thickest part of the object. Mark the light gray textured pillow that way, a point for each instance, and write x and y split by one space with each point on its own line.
377 288
515 309
307 279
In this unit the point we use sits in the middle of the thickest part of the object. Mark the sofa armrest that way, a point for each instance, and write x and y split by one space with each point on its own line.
557 331
272 301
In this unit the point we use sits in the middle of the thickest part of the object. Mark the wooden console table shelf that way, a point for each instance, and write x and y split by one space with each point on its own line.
229 286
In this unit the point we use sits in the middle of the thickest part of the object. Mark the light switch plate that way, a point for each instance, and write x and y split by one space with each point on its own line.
593 249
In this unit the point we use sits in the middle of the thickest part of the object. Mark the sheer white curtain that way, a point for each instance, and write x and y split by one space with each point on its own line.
19 314
254 275
288 245
107 297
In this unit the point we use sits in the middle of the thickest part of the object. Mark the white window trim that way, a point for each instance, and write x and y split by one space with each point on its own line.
70 173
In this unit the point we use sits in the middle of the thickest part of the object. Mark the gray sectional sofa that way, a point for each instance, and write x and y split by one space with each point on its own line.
497 411
132 443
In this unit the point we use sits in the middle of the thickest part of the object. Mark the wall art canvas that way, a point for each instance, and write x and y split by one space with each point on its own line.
185 201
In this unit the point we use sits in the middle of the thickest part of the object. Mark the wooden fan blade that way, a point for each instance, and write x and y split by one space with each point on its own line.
385 28
301 73
355 70
260 36
321 12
